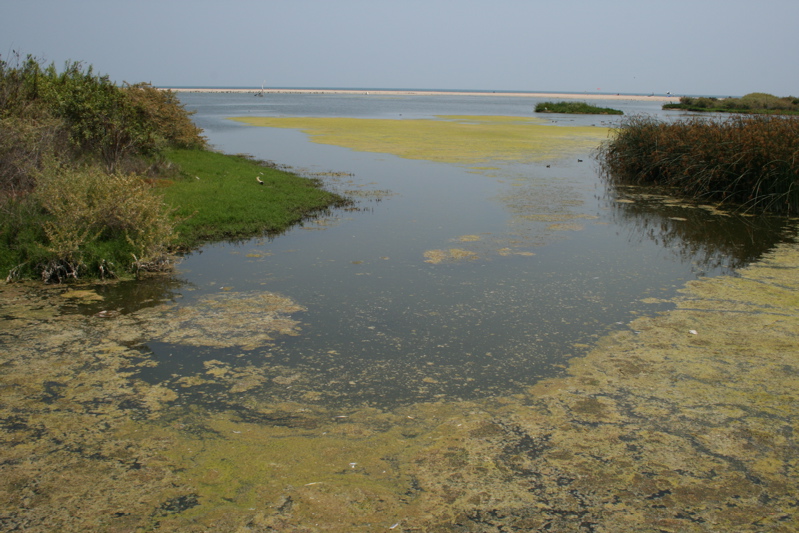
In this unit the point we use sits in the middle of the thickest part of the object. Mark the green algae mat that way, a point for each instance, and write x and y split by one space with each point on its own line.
686 422
468 140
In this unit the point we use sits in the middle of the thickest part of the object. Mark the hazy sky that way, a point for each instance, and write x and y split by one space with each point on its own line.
712 47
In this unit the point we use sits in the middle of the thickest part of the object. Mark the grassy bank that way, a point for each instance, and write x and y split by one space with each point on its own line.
219 196
79 157
751 162
575 108
83 223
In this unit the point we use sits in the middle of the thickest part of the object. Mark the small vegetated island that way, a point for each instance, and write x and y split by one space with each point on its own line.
575 108
99 180
747 161
755 103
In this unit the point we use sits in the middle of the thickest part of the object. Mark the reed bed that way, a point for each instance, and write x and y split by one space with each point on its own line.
749 161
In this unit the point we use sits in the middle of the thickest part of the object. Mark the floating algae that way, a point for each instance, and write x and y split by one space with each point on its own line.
470 140
505 141
453 254
223 320
233 319
657 429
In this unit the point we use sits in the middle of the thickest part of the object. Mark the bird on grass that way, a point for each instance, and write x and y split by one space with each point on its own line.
259 180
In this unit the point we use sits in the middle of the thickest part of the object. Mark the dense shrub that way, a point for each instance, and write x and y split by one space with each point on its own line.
24 144
67 206
102 121
93 222
748 160
166 114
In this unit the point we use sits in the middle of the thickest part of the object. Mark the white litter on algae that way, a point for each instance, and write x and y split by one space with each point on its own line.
686 422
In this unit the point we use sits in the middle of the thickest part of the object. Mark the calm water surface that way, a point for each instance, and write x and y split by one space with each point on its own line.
555 261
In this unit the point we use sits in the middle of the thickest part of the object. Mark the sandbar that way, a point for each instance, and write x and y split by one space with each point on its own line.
410 92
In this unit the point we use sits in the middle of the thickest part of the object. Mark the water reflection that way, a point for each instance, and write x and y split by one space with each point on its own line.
712 240
126 297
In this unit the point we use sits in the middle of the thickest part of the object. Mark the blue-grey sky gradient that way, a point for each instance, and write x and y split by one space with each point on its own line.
708 47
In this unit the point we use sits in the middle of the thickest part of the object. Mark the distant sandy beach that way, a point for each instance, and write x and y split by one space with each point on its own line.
381 92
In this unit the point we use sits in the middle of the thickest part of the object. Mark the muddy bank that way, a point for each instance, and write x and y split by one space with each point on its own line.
686 422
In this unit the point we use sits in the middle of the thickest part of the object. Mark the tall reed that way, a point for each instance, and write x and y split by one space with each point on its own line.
751 161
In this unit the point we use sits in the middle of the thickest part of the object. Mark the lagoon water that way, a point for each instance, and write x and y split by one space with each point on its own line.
447 282
379 367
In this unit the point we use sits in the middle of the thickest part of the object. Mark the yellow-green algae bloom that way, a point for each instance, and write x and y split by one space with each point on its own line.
468 140
474 141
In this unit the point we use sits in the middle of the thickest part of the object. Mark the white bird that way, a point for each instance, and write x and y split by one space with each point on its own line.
259 180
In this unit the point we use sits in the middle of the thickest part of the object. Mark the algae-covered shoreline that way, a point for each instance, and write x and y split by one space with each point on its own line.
685 422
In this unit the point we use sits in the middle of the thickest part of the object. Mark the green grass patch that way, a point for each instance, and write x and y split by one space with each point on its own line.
575 108
218 196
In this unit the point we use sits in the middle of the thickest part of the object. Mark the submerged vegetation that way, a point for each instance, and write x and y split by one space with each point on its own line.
749 161
79 161
575 108
751 103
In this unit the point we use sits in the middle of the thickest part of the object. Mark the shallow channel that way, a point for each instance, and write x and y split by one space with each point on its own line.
451 281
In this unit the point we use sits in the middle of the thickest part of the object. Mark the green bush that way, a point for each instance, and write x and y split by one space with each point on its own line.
168 117
24 144
70 206
81 222
102 121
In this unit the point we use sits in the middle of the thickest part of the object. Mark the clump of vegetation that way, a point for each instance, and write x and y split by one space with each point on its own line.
74 155
100 223
575 108
751 103
79 161
748 160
